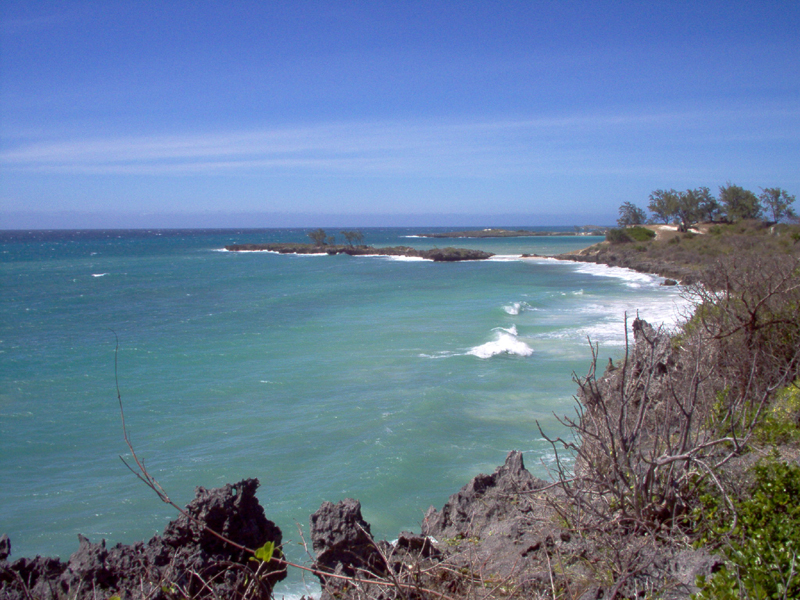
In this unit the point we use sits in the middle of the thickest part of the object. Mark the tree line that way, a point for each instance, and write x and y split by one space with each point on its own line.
319 237
698 205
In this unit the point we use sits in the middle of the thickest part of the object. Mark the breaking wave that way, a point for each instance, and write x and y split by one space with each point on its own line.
505 342
517 307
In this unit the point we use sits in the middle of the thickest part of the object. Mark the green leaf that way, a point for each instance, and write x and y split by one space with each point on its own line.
264 554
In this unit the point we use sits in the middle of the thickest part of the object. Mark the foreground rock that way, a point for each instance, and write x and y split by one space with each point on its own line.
501 535
186 561
435 254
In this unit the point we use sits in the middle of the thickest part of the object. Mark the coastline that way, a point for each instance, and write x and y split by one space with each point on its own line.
448 254
197 297
684 256
605 255
534 540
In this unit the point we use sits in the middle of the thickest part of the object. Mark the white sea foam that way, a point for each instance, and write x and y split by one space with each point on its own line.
606 321
295 590
398 258
516 308
271 252
99 274
504 343
437 355
631 278
246 251
504 257
510 330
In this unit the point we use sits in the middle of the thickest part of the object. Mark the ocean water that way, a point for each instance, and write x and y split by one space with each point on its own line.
391 381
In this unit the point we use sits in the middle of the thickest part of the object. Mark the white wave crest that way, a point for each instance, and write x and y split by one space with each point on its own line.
504 343
504 257
397 258
438 355
517 307
99 274
511 330
632 278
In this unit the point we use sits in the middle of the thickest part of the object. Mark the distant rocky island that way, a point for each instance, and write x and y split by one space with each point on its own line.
501 233
434 254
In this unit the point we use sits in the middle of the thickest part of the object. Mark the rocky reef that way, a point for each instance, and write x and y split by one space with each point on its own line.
500 531
435 254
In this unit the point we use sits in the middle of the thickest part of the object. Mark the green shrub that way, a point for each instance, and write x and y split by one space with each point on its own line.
781 422
618 236
763 555
640 234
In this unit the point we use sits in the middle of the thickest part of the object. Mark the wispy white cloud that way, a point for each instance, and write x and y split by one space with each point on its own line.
599 143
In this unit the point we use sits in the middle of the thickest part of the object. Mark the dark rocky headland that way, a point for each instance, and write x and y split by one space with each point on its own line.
684 256
435 254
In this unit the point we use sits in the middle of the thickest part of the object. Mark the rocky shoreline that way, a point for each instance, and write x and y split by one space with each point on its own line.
686 256
606 254
185 561
436 254
499 530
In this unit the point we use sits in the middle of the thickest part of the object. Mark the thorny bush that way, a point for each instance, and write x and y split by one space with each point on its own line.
650 434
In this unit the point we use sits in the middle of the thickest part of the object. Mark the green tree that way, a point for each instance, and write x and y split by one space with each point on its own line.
709 208
739 203
318 236
353 237
693 205
778 203
630 214
686 210
664 205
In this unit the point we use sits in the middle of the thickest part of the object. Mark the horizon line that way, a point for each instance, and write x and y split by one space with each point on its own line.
85 220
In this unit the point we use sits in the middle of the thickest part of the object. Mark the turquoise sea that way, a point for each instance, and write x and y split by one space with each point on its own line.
391 381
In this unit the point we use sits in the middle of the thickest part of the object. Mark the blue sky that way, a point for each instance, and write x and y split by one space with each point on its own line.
366 113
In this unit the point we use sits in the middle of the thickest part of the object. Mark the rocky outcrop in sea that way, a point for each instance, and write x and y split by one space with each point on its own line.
435 254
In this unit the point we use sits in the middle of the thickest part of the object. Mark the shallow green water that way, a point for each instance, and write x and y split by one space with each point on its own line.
391 381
